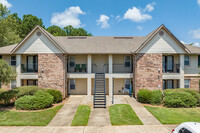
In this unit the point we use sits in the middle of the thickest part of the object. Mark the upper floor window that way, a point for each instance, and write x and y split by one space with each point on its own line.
187 83
13 61
72 84
127 61
71 61
198 60
0 56
187 60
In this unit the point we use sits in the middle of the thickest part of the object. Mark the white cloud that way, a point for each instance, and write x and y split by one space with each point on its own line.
6 3
103 21
198 1
68 17
118 18
150 7
195 33
193 44
196 44
183 42
140 28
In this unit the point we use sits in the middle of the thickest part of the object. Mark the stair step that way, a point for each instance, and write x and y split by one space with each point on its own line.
103 102
99 104
99 99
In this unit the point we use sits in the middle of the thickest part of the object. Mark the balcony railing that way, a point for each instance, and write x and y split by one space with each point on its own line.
77 68
94 68
121 68
174 68
29 68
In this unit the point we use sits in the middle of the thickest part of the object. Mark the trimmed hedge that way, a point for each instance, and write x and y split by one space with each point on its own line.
144 96
179 99
56 94
27 90
157 97
8 97
40 100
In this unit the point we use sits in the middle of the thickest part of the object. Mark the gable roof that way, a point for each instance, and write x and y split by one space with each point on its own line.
96 44
193 49
47 34
153 33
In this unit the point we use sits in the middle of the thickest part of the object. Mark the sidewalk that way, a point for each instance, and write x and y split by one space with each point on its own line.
89 129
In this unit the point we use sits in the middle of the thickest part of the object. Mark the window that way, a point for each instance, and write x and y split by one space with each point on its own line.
187 60
0 56
13 60
198 60
184 130
72 84
168 84
71 61
32 83
127 83
13 84
187 83
127 62
168 63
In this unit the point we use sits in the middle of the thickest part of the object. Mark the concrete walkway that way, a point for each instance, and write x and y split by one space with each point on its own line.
89 129
145 116
66 114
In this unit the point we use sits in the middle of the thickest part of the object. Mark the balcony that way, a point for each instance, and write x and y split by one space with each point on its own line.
78 68
29 68
122 68
171 68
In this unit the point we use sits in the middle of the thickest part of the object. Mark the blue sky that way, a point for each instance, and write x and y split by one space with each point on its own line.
117 18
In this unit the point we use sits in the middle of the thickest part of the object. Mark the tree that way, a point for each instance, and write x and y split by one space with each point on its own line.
4 12
56 31
7 73
71 31
28 23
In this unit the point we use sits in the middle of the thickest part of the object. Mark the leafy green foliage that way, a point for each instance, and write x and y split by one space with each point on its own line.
2 90
56 94
7 73
144 96
27 90
4 12
8 97
82 116
179 99
40 100
157 97
71 31
56 31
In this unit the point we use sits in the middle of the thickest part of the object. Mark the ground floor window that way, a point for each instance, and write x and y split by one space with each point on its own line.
32 82
72 84
187 83
168 84
127 83
13 84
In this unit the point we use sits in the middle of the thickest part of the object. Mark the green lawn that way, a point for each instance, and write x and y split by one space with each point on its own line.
175 115
123 114
82 116
40 118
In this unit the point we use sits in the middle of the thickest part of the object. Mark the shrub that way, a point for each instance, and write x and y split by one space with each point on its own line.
192 92
27 90
40 100
179 99
2 90
144 96
157 97
8 97
56 94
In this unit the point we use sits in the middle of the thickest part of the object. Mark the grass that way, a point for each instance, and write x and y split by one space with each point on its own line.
175 115
123 114
39 118
82 116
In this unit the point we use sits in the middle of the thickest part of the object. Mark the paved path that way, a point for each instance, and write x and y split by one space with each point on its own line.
89 129
66 114
99 117
145 116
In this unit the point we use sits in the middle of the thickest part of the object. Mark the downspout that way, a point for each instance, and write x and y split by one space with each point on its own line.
64 65
135 72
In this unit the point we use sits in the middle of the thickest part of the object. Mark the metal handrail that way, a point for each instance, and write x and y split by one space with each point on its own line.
104 81
175 68
121 68
26 67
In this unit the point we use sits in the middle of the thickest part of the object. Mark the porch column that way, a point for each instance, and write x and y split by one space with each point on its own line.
110 63
182 70
89 63
18 70
110 86
89 86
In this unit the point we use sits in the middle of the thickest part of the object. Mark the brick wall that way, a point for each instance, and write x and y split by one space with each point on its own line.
53 74
194 83
148 72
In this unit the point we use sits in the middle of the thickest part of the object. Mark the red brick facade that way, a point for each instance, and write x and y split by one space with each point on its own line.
51 72
148 72
194 83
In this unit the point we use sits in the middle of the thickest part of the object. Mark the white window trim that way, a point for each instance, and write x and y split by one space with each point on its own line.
125 60
11 83
189 61
127 82
189 82
13 60
74 84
